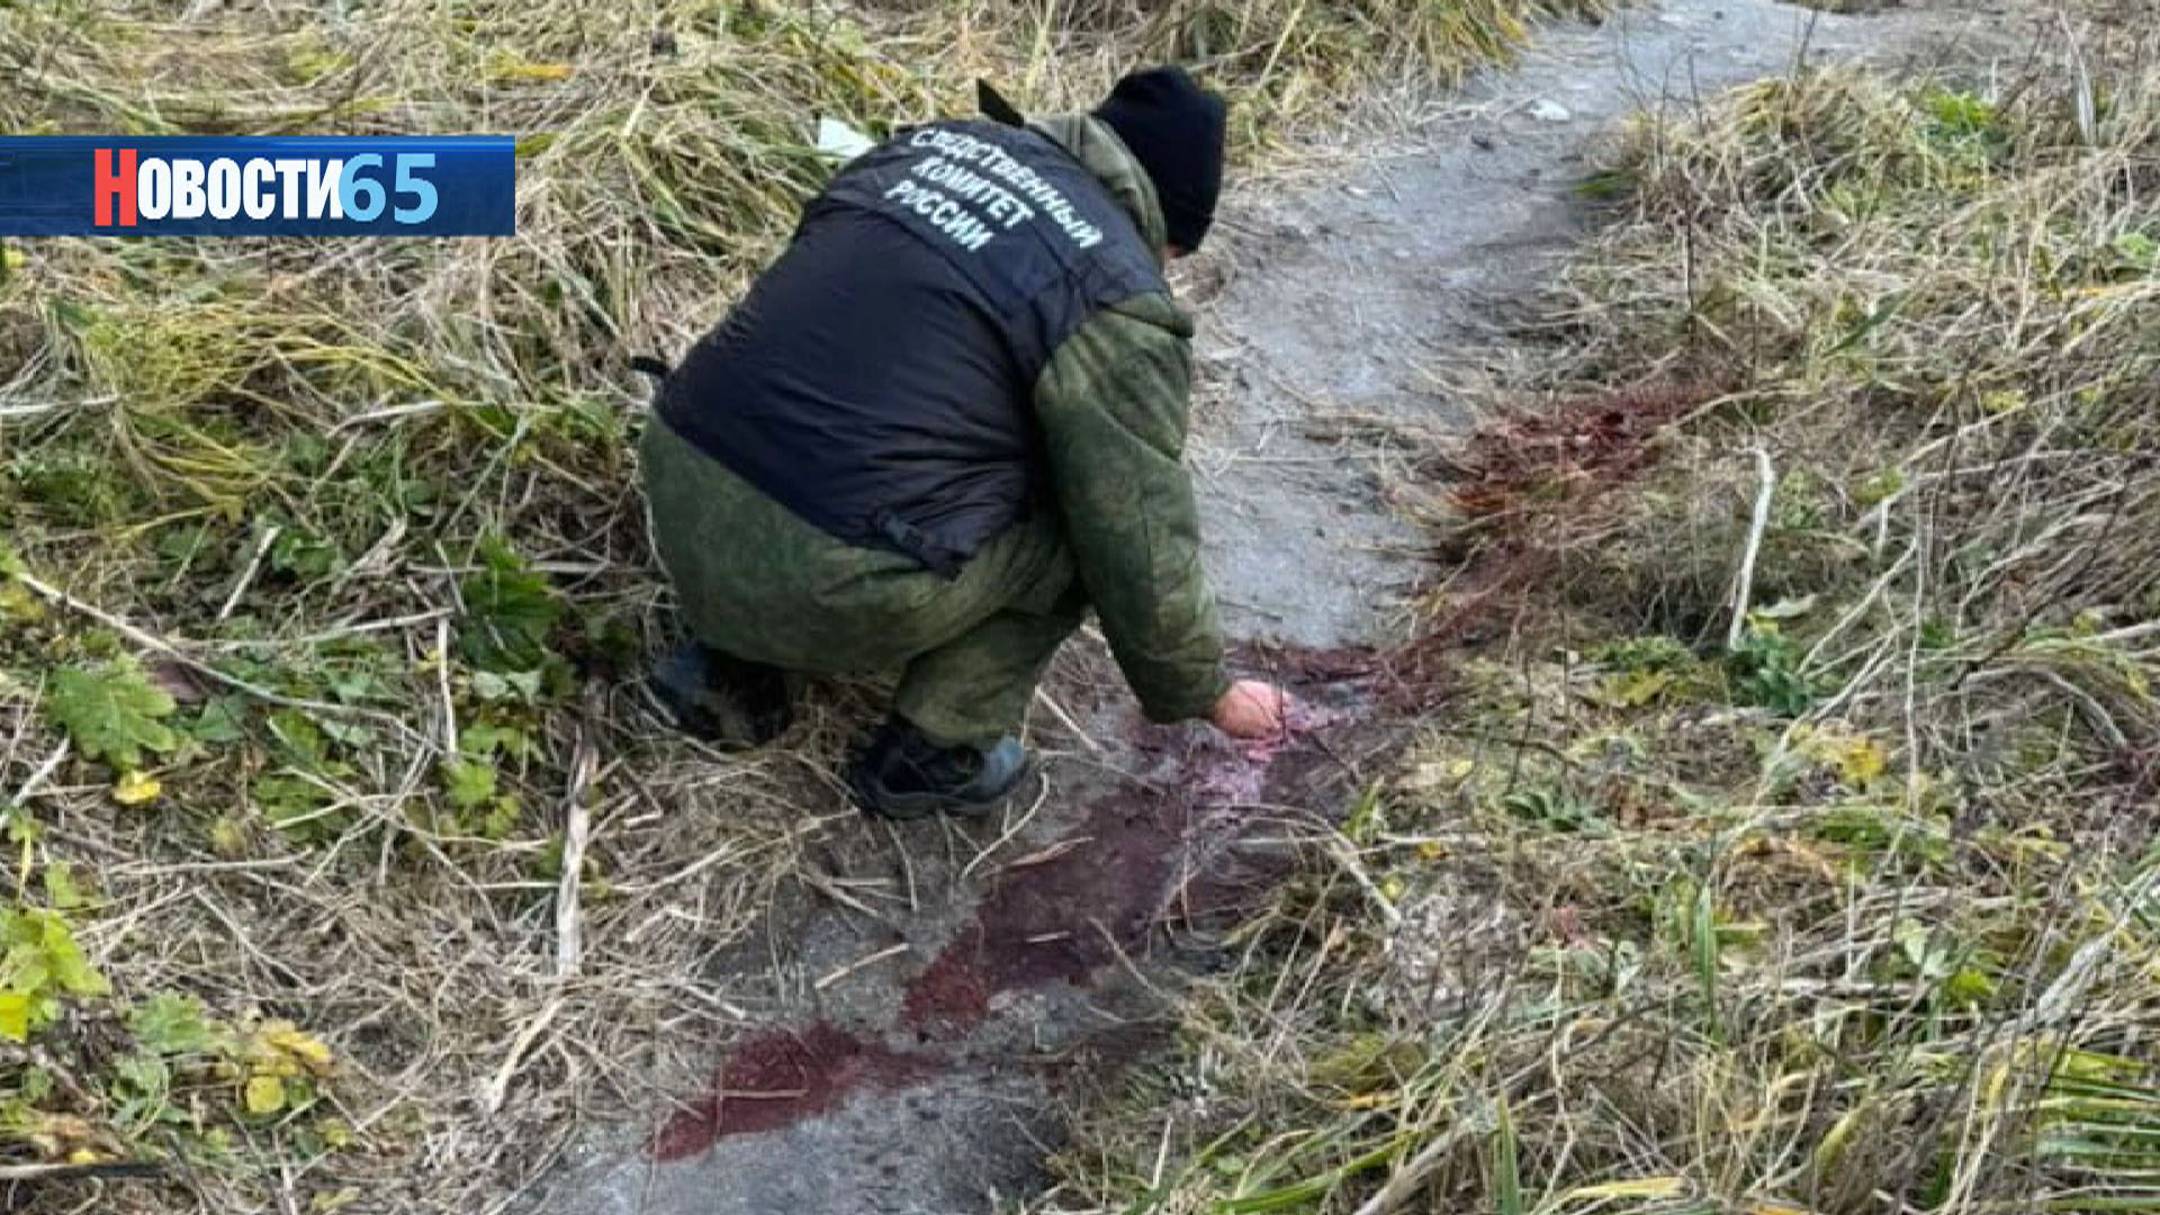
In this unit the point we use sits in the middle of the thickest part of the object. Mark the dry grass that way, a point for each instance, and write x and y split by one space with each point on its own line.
1848 908
351 528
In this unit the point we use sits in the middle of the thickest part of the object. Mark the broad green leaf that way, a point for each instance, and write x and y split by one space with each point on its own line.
112 712
492 686
70 969
350 733
482 739
1968 988
145 1073
1913 939
169 1023
303 741
509 612
221 720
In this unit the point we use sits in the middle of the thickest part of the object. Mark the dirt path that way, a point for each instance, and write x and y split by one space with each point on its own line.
949 987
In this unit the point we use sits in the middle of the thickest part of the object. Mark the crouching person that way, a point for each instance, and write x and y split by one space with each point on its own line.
940 428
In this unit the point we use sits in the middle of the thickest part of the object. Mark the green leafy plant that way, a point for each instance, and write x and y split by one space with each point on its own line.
2139 253
468 782
112 712
169 1023
1651 652
1556 810
62 892
300 798
472 780
42 964
304 555
509 612
1966 126
75 488
1766 673
1881 831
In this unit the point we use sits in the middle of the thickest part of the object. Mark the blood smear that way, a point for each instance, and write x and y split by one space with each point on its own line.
1224 772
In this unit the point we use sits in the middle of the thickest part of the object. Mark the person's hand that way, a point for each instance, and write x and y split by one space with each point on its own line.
1251 709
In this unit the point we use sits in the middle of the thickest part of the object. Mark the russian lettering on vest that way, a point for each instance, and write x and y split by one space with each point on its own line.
944 214
995 200
958 148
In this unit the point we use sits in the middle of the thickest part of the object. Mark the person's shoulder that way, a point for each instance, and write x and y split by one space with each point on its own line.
1148 310
1143 338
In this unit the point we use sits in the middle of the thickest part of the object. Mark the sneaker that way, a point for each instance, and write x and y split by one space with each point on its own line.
717 698
902 775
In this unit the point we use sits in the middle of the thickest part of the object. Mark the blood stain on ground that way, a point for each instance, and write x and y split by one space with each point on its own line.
1224 773
1058 920
1148 855
1528 461
949 996
1072 914
778 1079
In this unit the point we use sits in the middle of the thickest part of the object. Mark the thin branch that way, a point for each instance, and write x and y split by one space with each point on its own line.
1745 585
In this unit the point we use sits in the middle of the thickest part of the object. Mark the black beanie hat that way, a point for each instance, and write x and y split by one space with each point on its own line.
1175 128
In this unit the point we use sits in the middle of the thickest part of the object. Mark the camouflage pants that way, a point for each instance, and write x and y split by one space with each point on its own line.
757 582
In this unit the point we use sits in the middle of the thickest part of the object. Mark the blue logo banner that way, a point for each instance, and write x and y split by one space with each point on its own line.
70 185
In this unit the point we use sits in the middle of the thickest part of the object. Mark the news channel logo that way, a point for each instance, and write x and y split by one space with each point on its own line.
71 185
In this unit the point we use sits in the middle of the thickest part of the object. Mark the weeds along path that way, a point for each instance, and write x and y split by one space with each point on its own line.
923 999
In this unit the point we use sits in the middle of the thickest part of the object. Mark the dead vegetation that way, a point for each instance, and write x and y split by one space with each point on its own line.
347 870
1788 847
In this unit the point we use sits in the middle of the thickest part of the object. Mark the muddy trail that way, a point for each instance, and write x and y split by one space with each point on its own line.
946 987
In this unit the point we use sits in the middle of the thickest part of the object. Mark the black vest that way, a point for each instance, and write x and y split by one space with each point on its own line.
878 379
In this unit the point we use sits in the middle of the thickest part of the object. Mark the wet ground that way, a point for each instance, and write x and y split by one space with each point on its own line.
947 986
